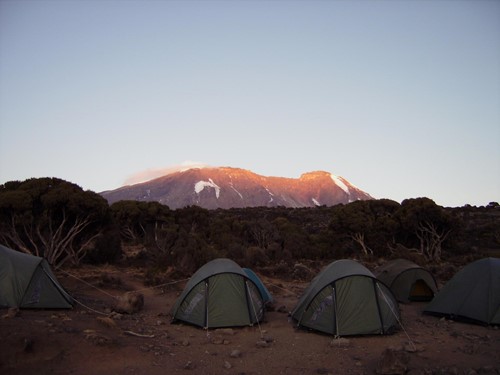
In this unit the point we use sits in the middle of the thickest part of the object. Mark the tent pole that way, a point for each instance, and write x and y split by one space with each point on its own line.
206 306
334 296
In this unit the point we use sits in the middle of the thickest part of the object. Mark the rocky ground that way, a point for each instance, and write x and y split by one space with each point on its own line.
94 339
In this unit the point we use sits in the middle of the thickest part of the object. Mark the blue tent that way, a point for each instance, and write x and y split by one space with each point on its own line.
266 295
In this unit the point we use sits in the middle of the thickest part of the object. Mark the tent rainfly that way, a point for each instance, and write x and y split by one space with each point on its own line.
346 299
407 280
473 294
264 292
26 281
219 294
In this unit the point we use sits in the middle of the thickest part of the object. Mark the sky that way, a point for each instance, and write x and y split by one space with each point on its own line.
401 98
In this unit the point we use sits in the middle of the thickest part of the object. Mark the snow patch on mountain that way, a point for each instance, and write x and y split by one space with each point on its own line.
340 183
232 187
200 185
316 202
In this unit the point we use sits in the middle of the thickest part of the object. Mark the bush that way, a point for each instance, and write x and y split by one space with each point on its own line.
107 249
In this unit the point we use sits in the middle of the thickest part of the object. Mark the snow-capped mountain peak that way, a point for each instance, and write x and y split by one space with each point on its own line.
227 187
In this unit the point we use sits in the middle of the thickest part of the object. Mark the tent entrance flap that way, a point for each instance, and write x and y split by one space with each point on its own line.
230 289
193 307
320 314
357 306
255 302
420 291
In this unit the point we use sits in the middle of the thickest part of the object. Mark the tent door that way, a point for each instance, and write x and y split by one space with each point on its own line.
420 291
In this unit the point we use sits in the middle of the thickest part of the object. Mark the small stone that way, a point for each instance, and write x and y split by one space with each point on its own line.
11 313
282 309
411 348
106 321
340 342
185 342
227 365
189 365
262 344
268 339
235 353
225 331
130 303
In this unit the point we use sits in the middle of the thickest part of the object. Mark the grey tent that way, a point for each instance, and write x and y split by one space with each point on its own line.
26 281
219 294
346 299
472 294
266 295
407 280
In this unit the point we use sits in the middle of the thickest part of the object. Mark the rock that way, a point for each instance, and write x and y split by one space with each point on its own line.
225 331
185 342
227 365
235 354
393 362
411 348
115 316
97 338
189 365
11 313
262 344
282 309
217 341
130 303
268 339
340 342
108 322
301 271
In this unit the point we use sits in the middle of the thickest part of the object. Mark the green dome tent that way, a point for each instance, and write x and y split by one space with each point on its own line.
26 281
472 294
346 299
407 280
219 294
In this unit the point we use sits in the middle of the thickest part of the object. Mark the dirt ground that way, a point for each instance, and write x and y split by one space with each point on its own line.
91 340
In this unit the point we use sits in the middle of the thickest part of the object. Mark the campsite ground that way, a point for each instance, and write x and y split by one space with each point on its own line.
85 341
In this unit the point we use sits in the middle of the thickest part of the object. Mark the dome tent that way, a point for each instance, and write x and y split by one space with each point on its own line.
219 294
346 299
26 281
473 294
407 280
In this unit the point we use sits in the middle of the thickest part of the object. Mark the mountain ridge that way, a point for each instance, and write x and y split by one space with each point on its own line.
228 187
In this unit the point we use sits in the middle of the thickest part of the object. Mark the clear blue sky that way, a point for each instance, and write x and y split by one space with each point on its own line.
402 98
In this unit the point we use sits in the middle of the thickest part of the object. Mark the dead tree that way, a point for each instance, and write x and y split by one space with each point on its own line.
431 240
55 241
360 239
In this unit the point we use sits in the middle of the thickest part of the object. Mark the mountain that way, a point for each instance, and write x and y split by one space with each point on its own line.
225 187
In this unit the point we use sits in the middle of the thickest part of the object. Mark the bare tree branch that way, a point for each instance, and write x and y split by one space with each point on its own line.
360 239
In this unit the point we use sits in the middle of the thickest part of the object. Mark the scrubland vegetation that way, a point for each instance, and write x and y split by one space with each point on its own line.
56 219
